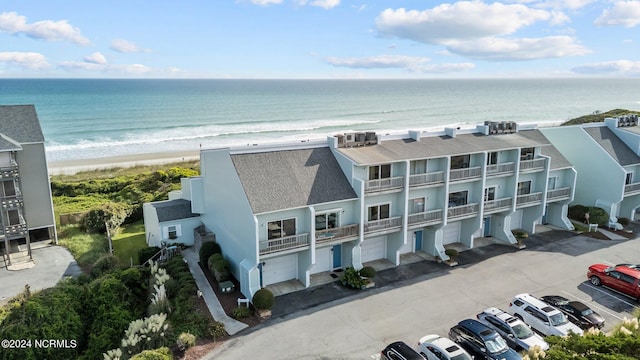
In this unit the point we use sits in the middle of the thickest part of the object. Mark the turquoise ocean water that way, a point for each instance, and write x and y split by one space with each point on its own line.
91 118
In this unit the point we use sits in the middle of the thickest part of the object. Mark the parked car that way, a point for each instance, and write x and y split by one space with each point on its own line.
435 347
621 278
541 316
399 350
482 341
516 333
577 312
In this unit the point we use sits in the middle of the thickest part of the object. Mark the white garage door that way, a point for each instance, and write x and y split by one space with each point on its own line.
516 220
451 233
279 269
324 261
374 249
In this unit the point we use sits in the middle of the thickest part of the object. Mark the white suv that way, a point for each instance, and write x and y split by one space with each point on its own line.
541 316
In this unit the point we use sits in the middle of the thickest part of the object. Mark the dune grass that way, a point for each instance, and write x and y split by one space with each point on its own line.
128 242
85 247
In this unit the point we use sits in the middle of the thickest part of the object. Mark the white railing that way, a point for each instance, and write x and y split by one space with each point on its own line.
337 233
559 193
283 243
467 173
533 165
462 210
384 184
431 216
631 188
529 198
497 169
382 224
499 204
427 179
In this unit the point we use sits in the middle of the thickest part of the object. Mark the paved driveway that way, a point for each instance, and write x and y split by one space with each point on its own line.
358 327
52 263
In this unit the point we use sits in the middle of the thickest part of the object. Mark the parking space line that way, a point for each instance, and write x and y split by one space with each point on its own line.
606 293
595 305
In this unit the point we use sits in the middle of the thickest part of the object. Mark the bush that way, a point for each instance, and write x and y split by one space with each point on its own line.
209 248
596 214
352 278
105 264
241 312
263 299
368 272
217 330
185 341
219 266
452 253
576 212
624 221
162 353
111 214
146 254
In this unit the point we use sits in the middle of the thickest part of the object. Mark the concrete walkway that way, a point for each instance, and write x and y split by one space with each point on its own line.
612 235
231 325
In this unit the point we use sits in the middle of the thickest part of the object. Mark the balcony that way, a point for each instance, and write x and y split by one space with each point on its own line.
384 184
9 172
283 243
533 165
465 174
426 218
529 199
11 202
462 211
501 169
382 224
14 231
433 178
631 189
339 233
494 206
559 194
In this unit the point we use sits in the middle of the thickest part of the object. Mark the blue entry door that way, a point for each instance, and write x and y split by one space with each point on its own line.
418 240
486 226
337 256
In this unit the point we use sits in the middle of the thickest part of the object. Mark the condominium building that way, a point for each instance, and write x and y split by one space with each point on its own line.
26 213
288 212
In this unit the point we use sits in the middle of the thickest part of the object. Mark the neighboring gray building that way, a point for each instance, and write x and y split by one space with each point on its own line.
25 193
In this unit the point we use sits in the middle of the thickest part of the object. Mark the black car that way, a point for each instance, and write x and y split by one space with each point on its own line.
482 341
399 350
577 312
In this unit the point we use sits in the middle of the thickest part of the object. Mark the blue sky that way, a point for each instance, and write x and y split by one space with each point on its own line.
319 39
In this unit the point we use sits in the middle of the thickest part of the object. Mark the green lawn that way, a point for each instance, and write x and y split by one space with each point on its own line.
128 241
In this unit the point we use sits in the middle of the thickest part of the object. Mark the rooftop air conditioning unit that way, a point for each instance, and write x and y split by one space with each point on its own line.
360 137
370 138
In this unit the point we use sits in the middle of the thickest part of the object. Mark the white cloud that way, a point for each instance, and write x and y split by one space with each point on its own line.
265 2
461 20
499 49
325 4
48 30
96 62
625 13
95 58
409 63
625 67
125 46
26 60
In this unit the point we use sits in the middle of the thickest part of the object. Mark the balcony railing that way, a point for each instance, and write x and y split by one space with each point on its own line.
533 165
283 243
491 206
559 194
384 184
631 188
337 233
500 169
529 199
426 218
11 202
462 211
14 230
382 224
433 178
465 174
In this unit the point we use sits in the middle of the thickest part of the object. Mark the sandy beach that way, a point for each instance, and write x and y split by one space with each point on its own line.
74 166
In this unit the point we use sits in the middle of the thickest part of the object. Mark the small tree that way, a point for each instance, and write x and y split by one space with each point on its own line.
368 272
263 299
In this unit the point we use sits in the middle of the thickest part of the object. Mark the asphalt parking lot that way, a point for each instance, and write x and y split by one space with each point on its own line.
359 326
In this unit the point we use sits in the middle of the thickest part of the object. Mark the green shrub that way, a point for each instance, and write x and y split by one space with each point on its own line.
219 267
207 249
163 353
624 221
596 214
105 264
241 312
351 278
576 212
216 330
146 254
111 214
368 272
186 340
452 253
263 299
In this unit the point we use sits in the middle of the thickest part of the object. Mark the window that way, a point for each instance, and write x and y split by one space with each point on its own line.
490 193
492 158
379 172
281 228
526 154
14 217
524 187
173 232
458 198
416 205
460 161
378 212
327 221
629 179
8 188
418 167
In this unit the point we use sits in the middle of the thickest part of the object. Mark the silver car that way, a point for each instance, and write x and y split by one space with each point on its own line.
518 335
435 347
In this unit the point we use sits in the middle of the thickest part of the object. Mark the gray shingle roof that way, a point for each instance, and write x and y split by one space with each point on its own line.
6 145
613 145
20 123
287 179
173 210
